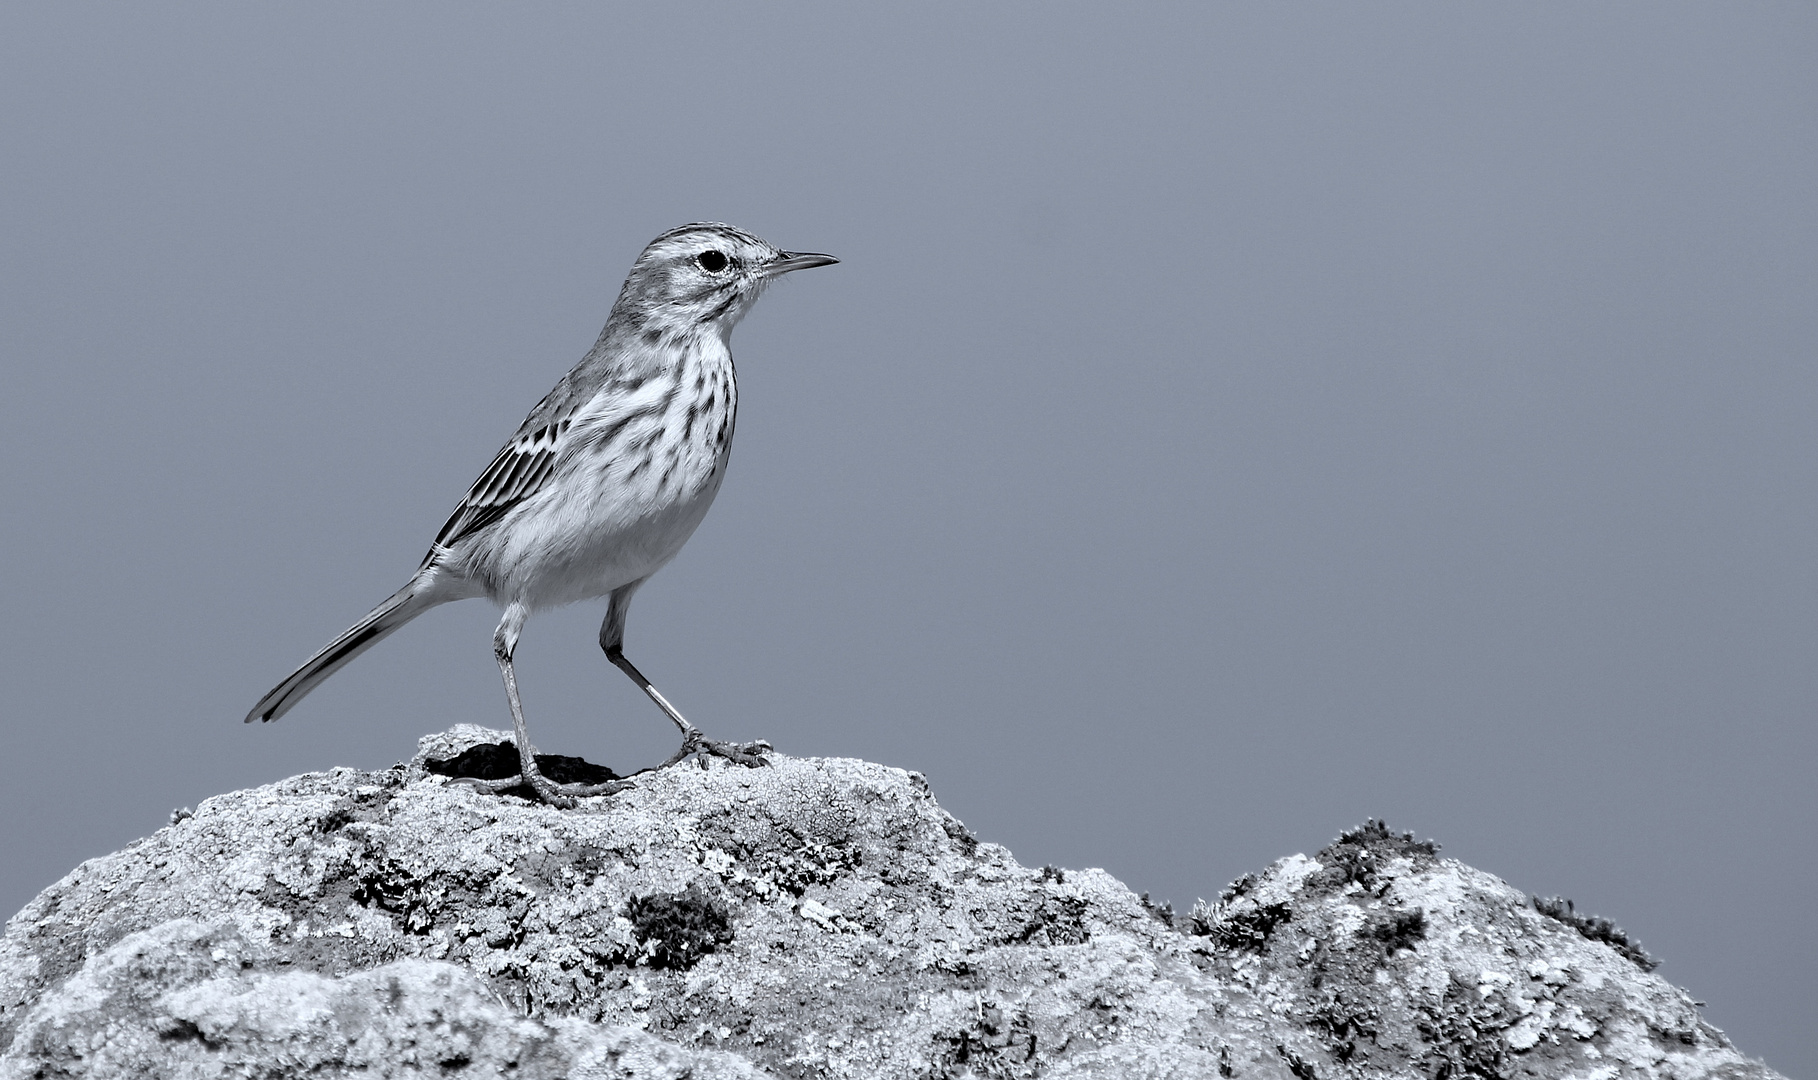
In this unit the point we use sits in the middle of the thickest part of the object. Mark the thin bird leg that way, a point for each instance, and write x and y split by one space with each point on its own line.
689 731
504 644
612 638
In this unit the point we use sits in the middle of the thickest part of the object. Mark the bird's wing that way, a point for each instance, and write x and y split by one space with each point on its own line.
519 471
528 461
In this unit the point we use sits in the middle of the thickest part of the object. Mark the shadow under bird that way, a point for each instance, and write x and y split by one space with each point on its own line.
602 484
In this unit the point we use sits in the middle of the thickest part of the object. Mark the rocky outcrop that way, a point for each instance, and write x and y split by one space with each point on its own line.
818 918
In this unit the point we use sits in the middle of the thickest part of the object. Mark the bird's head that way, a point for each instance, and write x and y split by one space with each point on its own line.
704 277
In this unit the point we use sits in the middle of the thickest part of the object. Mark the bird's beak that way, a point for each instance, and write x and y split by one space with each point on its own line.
797 260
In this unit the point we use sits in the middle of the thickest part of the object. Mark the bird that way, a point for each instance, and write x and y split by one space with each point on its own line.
601 485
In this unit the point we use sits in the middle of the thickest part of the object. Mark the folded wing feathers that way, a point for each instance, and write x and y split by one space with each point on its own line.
521 468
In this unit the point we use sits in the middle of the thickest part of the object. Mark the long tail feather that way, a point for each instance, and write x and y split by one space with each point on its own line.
401 607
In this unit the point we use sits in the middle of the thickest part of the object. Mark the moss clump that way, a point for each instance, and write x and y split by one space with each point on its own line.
1241 926
1595 928
1359 855
674 930
1398 930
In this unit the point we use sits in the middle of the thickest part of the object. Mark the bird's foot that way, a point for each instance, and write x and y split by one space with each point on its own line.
700 748
562 796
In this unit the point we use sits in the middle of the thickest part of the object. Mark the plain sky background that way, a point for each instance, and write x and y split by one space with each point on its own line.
1228 422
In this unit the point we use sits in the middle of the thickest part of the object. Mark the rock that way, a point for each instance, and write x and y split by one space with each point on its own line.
818 918
1401 963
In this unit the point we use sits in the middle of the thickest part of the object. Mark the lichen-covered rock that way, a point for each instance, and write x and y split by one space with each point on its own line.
1399 963
818 918
188 998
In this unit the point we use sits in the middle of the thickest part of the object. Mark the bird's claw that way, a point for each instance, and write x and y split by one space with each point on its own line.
610 787
561 796
700 748
491 787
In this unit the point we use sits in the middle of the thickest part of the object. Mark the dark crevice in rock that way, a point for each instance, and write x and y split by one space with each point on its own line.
499 761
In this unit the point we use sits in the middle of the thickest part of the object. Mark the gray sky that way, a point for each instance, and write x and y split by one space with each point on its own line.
1228 423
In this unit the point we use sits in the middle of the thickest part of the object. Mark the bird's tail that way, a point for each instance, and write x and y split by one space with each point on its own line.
401 607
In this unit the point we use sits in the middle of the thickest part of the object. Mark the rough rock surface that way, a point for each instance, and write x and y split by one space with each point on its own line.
819 918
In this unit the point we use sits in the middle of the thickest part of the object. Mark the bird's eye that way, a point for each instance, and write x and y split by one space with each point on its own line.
711 261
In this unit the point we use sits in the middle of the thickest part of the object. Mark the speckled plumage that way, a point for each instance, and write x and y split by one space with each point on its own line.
609 474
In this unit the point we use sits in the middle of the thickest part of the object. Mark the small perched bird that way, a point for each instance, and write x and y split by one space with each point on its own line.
603 483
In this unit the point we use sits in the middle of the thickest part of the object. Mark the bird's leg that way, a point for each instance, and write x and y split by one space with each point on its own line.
504 643
694 744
